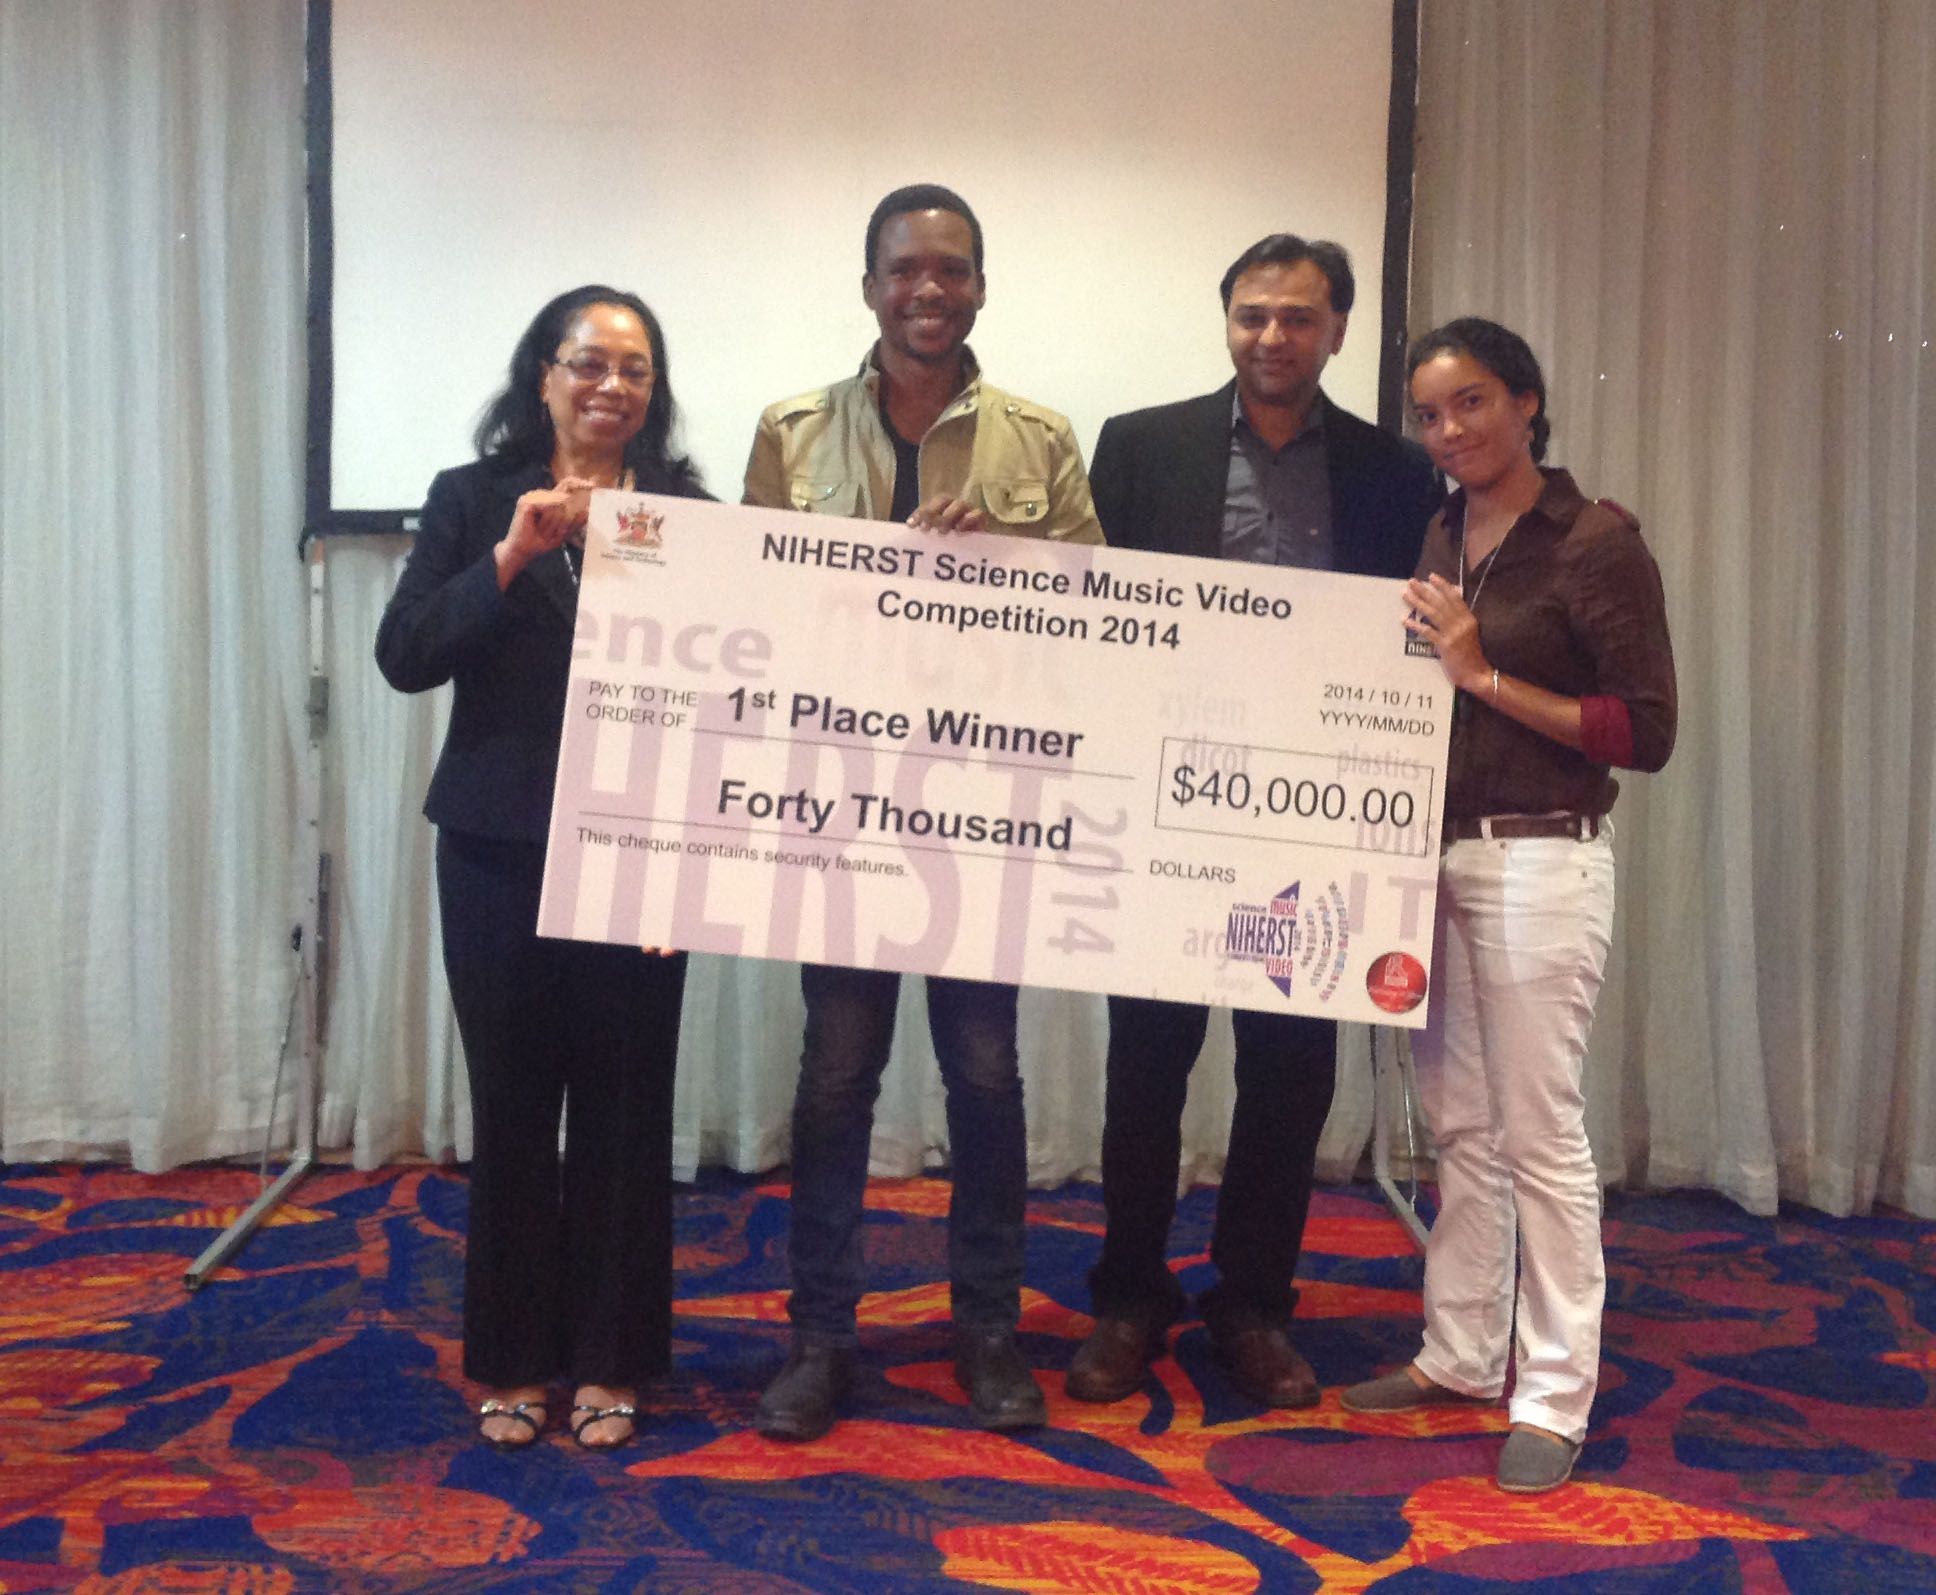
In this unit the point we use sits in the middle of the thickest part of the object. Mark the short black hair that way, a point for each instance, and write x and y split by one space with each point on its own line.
1501 351
1287 249
920 196
516 426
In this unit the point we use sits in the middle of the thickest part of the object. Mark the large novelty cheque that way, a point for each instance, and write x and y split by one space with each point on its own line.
1001 758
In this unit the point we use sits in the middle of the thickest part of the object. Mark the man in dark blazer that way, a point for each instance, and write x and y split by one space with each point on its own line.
1265 469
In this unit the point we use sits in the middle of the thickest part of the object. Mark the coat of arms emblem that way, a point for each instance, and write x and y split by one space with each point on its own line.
640 528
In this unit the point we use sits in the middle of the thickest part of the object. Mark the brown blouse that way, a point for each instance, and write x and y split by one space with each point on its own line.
1571 601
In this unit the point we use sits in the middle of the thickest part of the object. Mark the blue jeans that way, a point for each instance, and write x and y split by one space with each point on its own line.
850 1024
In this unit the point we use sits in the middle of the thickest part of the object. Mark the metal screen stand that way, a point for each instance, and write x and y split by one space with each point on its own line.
1392 1078
306 1002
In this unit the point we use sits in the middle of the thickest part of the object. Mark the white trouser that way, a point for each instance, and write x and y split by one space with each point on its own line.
1523 930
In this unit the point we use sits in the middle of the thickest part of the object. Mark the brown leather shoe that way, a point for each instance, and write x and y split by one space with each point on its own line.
1111 1363
1265 1366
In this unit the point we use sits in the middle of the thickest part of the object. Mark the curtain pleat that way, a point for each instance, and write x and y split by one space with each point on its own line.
1714 223
151 384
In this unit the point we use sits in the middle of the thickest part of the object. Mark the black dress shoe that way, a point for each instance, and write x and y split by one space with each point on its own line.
1001 1390
1265 1366
801 1401
1113 1361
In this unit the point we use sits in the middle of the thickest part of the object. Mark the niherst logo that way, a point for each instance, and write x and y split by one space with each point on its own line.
1416 647
1396 982
1292 940
640 529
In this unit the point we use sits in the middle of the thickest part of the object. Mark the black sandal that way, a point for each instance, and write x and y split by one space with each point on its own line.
623 1409
522 1411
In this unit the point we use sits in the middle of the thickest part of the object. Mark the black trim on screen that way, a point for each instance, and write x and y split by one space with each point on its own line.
320 518
1401 132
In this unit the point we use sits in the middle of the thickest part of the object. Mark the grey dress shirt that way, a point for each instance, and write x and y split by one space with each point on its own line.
1277 502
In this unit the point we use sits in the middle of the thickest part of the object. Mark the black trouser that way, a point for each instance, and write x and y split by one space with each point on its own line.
568 1271
1286 1065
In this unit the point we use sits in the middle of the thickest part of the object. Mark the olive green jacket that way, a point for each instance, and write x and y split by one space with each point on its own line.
827 451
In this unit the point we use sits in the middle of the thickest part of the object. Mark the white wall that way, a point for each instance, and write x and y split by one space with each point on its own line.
721 160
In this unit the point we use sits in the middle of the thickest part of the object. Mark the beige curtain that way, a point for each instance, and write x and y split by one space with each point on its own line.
151 626
1715 220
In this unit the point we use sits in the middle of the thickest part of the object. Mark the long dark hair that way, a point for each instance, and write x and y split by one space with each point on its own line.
1501 351
516 429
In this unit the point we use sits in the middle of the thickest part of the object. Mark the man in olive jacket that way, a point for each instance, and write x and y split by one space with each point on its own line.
916 436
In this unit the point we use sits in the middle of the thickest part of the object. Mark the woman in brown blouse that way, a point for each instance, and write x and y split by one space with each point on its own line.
1547 613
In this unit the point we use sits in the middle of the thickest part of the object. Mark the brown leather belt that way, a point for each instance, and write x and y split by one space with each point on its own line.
1514 827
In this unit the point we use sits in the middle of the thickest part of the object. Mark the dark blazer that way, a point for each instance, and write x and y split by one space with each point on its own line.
508 653
1158 477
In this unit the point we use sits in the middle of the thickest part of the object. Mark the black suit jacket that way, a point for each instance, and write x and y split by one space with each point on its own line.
1158 477
507 653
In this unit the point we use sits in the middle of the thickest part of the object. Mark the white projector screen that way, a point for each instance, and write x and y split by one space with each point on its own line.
721 159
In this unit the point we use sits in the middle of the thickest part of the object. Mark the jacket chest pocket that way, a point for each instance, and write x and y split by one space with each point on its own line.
1019 504
824 497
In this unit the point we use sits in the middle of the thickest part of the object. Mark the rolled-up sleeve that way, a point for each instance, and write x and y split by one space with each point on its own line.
1618 611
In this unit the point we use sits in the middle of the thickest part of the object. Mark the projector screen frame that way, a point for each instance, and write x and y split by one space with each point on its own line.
321 518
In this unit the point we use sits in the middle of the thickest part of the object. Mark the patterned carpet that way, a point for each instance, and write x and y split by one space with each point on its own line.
1764 1422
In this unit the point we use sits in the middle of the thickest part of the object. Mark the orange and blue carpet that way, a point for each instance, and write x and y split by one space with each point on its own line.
299 1424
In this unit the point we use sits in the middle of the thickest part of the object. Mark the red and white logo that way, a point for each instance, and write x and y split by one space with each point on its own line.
1396 982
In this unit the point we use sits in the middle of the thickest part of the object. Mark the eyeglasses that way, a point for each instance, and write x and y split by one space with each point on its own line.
592 370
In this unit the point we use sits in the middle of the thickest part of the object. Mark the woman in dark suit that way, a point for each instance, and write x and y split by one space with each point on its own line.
568 1271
